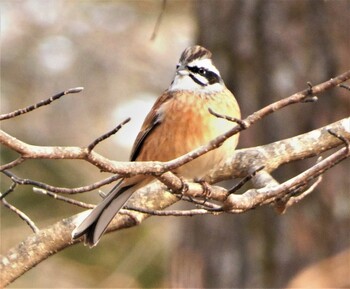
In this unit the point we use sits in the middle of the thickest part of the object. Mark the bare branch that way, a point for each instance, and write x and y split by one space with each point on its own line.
344 86
155 196
107 135
296 199
9 190
20 214
299 192
39 104
339 136
253 118
157 168
50 188
64 199
159 20
243 161
12 164
246 179
255 197
174 213
227 117
235 166
34 249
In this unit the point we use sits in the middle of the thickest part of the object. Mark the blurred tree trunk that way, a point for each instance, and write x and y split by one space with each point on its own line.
267 50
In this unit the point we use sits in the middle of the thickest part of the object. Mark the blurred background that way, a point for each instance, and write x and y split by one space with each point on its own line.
265 50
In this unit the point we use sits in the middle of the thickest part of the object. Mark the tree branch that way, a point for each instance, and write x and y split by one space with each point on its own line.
159 20
64 199
20 214
61 190
155 196
156 168
39 104
107 135
255 197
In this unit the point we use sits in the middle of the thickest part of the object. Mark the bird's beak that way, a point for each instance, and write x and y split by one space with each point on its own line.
182 71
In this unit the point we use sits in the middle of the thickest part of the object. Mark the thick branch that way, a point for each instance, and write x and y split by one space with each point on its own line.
253 197
239 164
297 148
155 197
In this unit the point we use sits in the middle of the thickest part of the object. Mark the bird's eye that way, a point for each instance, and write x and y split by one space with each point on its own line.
177 66
201 71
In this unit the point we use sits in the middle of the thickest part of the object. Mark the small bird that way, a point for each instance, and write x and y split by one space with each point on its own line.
178 123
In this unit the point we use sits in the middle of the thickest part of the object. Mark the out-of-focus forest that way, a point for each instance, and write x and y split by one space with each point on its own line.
265 50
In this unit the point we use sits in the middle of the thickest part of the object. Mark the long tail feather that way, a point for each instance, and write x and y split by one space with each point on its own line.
97 221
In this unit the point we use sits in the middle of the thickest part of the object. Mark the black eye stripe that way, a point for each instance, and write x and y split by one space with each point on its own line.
211 76
196 69
196 80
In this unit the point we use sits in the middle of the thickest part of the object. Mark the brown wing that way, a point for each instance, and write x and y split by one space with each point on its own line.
150 123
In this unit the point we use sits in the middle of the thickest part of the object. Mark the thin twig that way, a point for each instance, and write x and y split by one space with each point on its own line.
344 86
9 190
12 164
295 199
20 214
159 20
246 179
107 135
202 204
281 204
342 138
175 213
39 104
50 188
64 199
229 118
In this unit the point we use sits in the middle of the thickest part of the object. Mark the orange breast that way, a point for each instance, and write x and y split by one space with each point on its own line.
186 125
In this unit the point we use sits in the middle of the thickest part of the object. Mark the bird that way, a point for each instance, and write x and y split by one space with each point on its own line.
179 122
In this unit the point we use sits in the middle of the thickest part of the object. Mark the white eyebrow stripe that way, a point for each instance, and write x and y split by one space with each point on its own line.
205 63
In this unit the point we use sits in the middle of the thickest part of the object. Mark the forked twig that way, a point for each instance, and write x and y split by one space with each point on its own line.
295 199
255 197
53 189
